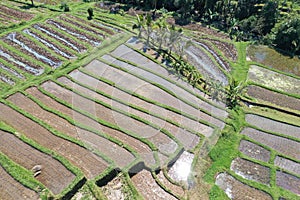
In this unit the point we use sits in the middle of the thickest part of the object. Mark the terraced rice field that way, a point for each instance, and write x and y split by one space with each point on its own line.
86 114
274 98
275 80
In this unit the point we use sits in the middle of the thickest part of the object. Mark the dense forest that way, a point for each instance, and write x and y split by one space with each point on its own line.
271 22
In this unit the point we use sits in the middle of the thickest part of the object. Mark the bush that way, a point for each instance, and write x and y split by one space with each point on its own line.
90 13
65 7
287 37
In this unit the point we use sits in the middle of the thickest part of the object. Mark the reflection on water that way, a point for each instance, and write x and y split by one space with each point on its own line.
181 169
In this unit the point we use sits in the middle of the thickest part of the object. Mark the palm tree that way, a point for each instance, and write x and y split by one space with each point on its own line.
149 28
162 29
140 23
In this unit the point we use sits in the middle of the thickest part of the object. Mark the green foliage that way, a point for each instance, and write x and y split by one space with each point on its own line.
64 6
90 13
287 36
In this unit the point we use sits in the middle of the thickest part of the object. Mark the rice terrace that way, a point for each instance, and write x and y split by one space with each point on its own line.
151 100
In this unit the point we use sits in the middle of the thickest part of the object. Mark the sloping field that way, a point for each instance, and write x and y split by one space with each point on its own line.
237 190
277 143
90 164
274 80
12 189
273 97
273 126
53 174
85 113
99 143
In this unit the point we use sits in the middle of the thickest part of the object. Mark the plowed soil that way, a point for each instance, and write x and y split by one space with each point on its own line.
273 97
277 143
118 154
90 164
238 191
250 170
12 189
53 175
137 145
113 91
163 142
150 190
254 151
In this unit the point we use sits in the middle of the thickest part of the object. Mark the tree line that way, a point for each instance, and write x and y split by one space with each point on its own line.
272 22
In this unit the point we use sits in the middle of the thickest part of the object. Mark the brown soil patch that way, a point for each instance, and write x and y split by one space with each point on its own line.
148 188
69 28
273 97
87 24
90 164
15 13
21 59
137 145
62 49
101 144
277 143
53 174
239 191
81 47
288 182
250 170
37 48
254 151
202 30
12 189
228 49
174 188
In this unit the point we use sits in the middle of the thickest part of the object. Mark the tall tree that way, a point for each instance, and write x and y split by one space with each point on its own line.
287 37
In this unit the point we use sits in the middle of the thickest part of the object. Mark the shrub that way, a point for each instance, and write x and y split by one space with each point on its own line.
90 13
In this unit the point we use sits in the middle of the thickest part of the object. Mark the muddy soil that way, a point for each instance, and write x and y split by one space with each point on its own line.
273 97
165 144
251 171
287 164
53 175
288 182
128 54
137 145
236 190
89 163
130 98
12 189
254 151
118 154
148 188
147 90
277 143
273 126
